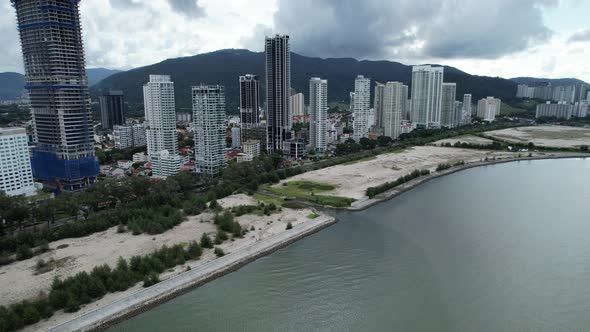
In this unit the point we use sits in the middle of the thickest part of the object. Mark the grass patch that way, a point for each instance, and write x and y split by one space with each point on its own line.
307 190
295 187
294 205
312 215
266 199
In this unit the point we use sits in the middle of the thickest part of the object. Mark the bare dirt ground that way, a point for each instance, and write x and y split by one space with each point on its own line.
353 180
19 281
555 136
471 139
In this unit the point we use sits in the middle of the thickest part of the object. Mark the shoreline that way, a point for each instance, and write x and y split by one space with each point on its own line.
361 205
147 298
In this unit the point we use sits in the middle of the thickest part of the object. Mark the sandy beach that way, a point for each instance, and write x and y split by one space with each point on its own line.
19 281
555 136
352 180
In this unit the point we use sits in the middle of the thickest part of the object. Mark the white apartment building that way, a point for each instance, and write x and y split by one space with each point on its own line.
360 102
426 96
140 157
466 112
251 147
123 136
393 104
560 110
488 108
129 136
448 115
16 176
209 128
297 104
378 104
318 111
406 103
139 138
160 114
580 109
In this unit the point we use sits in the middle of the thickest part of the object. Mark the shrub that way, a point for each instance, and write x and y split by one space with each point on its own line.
219 252
41 264
194 250
289 225
442 167
23 252
214 205
206 241
220 237
151 280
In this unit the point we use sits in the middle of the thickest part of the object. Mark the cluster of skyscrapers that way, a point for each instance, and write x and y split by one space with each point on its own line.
431 104
63 154
561 93
570 100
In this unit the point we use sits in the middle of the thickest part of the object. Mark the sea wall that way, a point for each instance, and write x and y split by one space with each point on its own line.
150 297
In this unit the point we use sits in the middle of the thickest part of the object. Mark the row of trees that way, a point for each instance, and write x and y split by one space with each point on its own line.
374 191
71 293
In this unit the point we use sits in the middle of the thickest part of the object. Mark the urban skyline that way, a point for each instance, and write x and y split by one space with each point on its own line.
156 181
555 53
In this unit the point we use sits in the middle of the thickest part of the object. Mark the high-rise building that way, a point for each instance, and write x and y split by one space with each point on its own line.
160 114
55 77
318 111
278 85
449 94
580 109
139 135
426 96
458 113
112 108
16 177
466 113
378 104
406 103
235 137
560 110
249 104
297 104
393 101
488 108
360 107
209 128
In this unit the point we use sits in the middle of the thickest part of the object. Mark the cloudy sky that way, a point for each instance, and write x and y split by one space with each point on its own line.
548 38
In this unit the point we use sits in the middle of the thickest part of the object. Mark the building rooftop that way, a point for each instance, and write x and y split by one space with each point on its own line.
12 131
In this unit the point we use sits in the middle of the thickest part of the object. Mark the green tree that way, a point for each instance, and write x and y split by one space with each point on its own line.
206 241
23 252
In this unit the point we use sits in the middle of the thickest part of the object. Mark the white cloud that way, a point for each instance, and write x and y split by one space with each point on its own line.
500 38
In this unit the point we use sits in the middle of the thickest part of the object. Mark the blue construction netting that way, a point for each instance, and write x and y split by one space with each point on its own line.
49 168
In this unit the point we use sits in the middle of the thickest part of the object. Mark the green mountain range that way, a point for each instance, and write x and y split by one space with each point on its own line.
12 84
225 66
